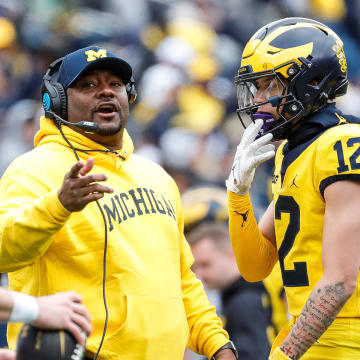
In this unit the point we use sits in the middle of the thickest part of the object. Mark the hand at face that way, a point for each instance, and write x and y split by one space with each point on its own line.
79 189
249 155
64 311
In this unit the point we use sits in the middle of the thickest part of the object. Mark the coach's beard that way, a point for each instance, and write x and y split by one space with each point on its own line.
111 130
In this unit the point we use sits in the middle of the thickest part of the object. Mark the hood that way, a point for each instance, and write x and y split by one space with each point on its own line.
49 133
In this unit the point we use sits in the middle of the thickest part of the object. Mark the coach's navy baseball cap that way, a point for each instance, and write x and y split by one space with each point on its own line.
79 61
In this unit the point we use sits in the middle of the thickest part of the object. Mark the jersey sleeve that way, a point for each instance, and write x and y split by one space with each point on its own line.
338 156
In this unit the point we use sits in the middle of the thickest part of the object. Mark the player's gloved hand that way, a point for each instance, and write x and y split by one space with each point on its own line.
278 355
250 153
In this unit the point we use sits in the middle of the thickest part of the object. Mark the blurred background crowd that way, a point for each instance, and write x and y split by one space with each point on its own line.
184 55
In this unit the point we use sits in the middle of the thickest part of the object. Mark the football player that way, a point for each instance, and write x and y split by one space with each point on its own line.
291 72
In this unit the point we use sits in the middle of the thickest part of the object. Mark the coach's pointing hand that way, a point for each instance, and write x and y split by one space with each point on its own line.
78 188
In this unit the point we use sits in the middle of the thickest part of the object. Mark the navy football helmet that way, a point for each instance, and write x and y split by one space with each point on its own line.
303 65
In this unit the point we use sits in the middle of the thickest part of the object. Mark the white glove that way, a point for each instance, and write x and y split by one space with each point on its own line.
250 153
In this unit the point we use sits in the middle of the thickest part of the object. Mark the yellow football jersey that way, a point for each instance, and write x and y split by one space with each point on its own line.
299 181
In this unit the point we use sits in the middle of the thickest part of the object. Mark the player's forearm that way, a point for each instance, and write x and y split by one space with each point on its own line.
320 310
255 254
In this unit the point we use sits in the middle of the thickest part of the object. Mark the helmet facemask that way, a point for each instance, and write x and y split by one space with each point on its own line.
255 89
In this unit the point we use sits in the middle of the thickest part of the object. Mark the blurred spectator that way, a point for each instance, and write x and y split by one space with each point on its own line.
202 204
179 147
20 127
246 307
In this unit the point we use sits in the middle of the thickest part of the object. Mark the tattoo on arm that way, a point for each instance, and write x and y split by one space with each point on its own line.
320 310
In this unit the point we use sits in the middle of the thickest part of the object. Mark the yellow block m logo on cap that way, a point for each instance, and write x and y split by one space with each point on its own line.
92 55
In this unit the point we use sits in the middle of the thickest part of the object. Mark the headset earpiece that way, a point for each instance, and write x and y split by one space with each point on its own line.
54 97
60 101
131 90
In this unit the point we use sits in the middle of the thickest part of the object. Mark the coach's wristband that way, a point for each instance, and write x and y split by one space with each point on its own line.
25 309
230 345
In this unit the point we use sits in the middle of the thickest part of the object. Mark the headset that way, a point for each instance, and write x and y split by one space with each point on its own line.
54 98
54 101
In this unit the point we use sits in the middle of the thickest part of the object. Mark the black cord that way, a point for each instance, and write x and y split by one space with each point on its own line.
69 143
105 243
104 277
100 150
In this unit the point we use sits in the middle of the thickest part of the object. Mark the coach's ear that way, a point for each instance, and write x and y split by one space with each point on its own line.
39 344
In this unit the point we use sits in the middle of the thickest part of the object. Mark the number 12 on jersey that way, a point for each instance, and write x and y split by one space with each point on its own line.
338 147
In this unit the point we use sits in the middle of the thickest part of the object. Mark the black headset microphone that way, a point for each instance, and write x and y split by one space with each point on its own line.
87 126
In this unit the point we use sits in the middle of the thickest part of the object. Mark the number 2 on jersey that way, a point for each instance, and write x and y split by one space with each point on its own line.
298 276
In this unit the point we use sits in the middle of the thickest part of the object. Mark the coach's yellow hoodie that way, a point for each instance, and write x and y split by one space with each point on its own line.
156 304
